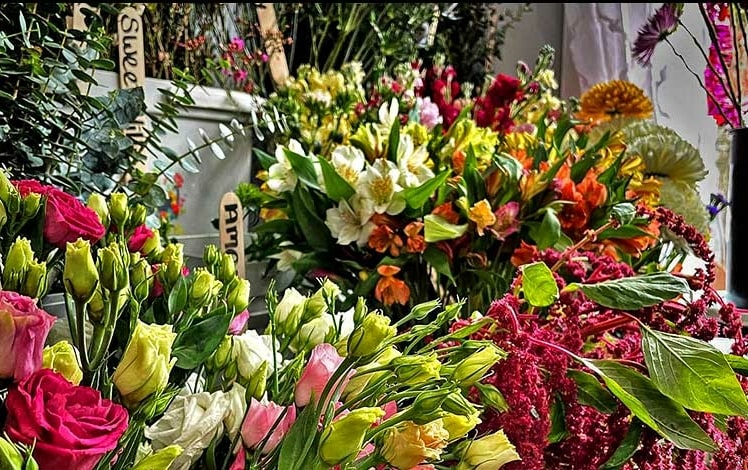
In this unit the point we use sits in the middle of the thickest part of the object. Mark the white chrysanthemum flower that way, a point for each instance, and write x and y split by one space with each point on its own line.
379 183
350 222
281 176
411 161
349 162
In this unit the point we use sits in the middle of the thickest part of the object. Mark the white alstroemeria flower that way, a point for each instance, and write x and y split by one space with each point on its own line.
286 258
281 176
348 162
191 422
412 162
320 96
350 222
388 115
250 350
379 183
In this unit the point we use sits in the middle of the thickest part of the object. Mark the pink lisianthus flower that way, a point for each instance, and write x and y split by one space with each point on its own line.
23 330
323 362
428 113
261 422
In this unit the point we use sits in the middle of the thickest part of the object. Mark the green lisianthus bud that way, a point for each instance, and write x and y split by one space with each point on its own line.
35 284
491 451
19 256
96 306
3 215
152 245
289 311
416 369
367 338
119 209
62 357
227 269
329 290
161 459
97 203
172 262
258 382
360 310
222 354
474 367
80 275
312 333
315 307
238 294
9 195
211 255
458 425
137 216
204 287
141 278
30 205
113 272
343 439
427 406
456 403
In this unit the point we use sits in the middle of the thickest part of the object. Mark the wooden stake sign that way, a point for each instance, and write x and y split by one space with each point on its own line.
132 61
273 41
231 230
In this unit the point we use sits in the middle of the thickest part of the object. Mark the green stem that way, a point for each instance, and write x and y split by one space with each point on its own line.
103 339
80 323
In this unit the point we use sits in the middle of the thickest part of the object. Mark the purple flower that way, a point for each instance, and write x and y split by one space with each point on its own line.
659 26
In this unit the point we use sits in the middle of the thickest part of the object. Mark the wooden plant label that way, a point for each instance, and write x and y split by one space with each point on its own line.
273 41
231 230
132 61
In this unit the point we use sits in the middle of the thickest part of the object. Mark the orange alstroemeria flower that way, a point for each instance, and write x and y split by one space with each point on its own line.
415 243
383 238
447 212
389 289
523 254
458 161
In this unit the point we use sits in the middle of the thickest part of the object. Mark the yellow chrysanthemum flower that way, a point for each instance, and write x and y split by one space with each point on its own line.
614 98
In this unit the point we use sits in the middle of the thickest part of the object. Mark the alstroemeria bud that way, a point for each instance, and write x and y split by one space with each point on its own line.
172 261
30 205
416 369
227 268
114 275
288 312
258 382
211 255
491 451
10 456
238 294
35 284
62 357
97 203
368 336
145 364
458 426
204 287
474 367
119 209
80 275
141 278
19 256
343 439
137 216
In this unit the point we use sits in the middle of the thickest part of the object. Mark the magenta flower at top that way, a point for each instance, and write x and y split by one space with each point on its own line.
659 26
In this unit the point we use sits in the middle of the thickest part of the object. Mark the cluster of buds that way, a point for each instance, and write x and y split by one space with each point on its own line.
16 210
220 268
118 213
22 272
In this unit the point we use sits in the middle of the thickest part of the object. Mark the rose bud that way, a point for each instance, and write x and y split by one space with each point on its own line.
145 364
368 336
62 357
118 209
113 272
343 439
491 451
79 275
35 283
238 294
30 205
204 287
97 203
16 264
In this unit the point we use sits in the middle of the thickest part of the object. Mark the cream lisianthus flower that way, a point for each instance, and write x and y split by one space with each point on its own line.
379 183
281 176
250 350
350 222
348 162
412 162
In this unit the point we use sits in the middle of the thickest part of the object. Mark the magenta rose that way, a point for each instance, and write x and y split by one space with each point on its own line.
73 426
323 362
138 239
23 330
66 217
260 420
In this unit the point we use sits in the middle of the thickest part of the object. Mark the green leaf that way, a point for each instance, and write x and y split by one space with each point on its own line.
661 413
591 393
538 284
303 167
694 373
394 140
436 229
298 441
624 231
624 212
312 226
336 186
417 196
558 430
548 232
177 297
439 260
627 448
193 345
633 293
266 160
738 363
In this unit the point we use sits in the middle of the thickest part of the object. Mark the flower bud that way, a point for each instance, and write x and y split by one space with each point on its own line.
368 336
35 284
172 260
456 403
16 264
30 205
97 203
137 216
3 215
211 255
315 307
62 357
329 290
474 367
238 294
222 355
436 229
114 275
257 382
408 444
10 456
427 406
96 307
360 310
9 195
312 333
161 459
416 369
119 210
343 439
458 425
79 275
288 312
491 451
152 245
227 269
231 372
204 287
492 396
141 278
145 364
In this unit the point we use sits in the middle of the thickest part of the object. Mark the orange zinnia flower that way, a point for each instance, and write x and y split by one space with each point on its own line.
389 289
383 238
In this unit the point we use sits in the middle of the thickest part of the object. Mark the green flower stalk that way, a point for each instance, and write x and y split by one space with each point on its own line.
80 275
368 337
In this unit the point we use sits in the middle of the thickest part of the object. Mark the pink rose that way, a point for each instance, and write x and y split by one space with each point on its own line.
70 426
323 362
239 323
260 421
66 218
137 240
23 330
